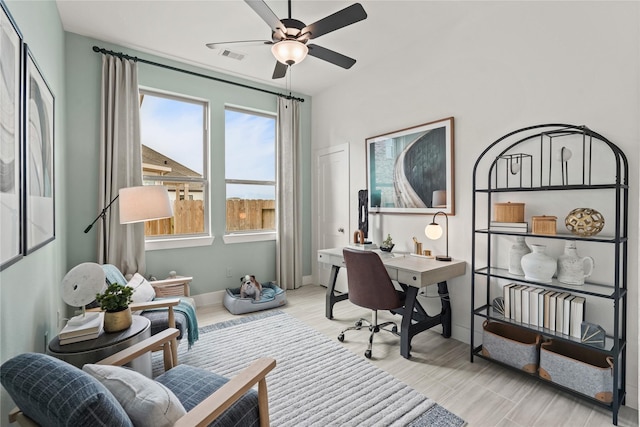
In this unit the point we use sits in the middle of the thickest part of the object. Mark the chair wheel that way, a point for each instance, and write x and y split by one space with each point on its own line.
394 329
367 354
341 337
358 323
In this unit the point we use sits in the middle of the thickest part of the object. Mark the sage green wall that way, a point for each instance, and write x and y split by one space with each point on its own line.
29 296
206 264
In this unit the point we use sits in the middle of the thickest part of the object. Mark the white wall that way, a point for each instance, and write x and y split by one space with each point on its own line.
495 67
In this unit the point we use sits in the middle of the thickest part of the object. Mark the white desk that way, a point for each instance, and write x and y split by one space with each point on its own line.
411 273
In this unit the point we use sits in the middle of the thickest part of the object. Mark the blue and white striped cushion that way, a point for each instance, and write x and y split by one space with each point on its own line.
192 385
54 393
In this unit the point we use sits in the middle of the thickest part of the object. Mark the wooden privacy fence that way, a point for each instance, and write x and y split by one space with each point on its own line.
242 214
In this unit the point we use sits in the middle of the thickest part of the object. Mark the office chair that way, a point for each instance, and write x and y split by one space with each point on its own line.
370 286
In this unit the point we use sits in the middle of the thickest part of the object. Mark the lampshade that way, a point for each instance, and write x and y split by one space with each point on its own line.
433 231
439 199
289 51
144 203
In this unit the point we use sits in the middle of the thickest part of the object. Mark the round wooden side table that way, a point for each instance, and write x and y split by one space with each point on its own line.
92 351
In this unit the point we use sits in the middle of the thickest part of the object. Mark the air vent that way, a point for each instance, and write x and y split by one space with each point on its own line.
233 55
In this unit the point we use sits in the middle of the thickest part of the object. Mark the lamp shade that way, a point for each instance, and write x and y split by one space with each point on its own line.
439 199
144 203
433 231
289 51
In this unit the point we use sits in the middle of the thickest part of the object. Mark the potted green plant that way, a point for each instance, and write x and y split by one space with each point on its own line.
387 244
115 302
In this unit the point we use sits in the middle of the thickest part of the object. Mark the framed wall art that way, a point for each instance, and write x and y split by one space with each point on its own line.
11 85
411 170
39 160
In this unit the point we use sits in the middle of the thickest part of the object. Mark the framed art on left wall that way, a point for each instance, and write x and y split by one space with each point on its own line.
39 158
11 86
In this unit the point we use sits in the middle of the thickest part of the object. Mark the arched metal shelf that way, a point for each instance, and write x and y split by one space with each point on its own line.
555 158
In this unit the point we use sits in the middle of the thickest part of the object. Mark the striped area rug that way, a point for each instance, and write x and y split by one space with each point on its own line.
316 382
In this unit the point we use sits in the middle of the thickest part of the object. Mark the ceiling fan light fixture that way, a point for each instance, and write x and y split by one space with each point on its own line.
290 51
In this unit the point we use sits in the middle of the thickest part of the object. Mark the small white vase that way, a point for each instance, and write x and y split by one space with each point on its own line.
573 269
537 265
518 250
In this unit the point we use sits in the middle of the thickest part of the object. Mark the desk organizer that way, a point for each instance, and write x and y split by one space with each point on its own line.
511 345
578 368
272 296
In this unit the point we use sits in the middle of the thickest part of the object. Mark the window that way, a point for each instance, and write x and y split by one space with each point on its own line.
250 171
174 136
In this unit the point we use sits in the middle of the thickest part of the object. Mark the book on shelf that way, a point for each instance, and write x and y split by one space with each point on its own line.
541 297
552 311
547 311
509 227
90 327
560 310
566 318
79 338
526 293
577 316
517 303
534 300
506 294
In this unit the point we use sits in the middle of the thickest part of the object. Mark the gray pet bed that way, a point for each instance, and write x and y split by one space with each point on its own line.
271 296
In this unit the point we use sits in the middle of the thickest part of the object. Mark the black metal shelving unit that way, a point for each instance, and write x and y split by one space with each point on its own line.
542 157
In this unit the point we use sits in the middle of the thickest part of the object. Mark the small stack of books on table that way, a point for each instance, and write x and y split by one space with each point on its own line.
82 332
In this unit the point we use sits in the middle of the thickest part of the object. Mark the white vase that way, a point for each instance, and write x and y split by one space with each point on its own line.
573 269
537 265
518 250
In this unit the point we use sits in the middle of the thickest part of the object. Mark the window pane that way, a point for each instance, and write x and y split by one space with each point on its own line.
173 146
172 136
250 149
250 171
251 207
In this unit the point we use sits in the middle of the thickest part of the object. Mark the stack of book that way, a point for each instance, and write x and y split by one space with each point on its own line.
509 227
82 332
556 311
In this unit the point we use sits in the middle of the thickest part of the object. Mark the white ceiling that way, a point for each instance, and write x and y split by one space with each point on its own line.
180 29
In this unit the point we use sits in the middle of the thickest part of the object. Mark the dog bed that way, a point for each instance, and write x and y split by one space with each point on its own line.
271 296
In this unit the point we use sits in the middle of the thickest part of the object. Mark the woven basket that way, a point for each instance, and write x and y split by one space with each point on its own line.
511 345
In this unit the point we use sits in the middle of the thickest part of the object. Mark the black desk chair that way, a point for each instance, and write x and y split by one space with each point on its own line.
370 286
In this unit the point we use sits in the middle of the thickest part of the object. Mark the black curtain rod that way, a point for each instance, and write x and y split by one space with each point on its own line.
169 67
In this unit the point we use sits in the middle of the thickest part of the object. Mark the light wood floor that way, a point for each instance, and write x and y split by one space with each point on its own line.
481 393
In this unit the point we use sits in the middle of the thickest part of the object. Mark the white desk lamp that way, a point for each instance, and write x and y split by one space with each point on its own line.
433 231
80 286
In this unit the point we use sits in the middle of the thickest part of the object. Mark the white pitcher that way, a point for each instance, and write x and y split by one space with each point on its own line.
573 269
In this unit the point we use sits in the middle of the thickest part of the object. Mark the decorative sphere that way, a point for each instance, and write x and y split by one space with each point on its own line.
584 222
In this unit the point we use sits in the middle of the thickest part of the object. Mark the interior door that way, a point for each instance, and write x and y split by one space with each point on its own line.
333 206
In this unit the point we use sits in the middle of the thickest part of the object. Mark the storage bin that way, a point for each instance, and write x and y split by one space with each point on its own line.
512 345
508 212
545 224
579 368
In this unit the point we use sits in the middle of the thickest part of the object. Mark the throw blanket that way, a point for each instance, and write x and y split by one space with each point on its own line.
188 308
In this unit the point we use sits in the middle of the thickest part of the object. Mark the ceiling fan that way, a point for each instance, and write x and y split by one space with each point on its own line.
289 36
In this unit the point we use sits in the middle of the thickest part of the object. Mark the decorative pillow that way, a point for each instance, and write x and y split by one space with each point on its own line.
142 289
147 402
54 393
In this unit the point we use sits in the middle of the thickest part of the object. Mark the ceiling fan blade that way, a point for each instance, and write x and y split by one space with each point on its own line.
347 16
267 15
331 56
220 44
280 71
